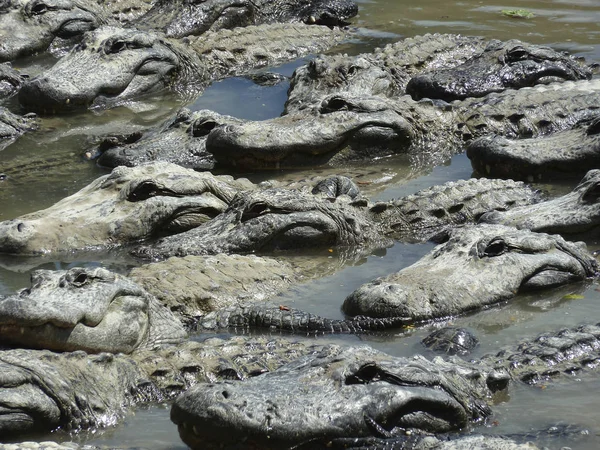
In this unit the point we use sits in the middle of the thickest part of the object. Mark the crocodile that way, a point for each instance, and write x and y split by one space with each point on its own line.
125 206
112 65
472 63
346 128
358 392
566 154
32 26
279 218
184 18
12 126
502 65
576 213
520 260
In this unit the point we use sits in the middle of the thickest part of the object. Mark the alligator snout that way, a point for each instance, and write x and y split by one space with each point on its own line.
45 95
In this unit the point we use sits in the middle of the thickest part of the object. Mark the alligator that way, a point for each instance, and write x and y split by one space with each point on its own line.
566 154
502 65
127 348
11 81
184 18
32 26
278 218
358 392
112 65
471 62
12 126
458 273
520 259
576 213
346 128
125 206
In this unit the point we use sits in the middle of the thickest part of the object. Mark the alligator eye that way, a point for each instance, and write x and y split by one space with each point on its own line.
112 47
38 8
203 128
80 279
592 194
364 375
143 191
496 247
334 104
594 127
516 54
255 210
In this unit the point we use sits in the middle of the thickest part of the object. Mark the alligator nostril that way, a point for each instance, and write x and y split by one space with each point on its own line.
20 227
225 394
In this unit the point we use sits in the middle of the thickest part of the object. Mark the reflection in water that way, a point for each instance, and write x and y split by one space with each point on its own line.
44 167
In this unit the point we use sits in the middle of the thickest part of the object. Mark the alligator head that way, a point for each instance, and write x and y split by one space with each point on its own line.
478 266
351 392
127 205
182 141
564 154
502 65
576 212
30 26
342 128
183 18
86 309
273 219
109 66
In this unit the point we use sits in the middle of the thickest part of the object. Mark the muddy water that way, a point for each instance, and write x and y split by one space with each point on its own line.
46 166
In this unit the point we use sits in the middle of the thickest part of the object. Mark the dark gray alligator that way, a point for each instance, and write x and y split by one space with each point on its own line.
458 274
360 392
112 65
569 153
577 212
475 66
125 206
32 26
502 65
12 126
345 127
279 218
183 18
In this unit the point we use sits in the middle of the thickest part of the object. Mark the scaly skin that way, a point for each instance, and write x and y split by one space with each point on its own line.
125 206
13 126
113 65
516 260
561 155
577 212
502 65
32 26
358 392
181 18
360 128
11 81
288 218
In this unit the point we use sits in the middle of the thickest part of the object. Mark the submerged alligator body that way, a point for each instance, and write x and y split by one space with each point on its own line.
126 206
569 153
288 218
112 65
361 128
183 18
360 392
437 66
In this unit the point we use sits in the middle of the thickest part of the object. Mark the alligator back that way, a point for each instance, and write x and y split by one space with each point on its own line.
422 215
529 112
231 52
